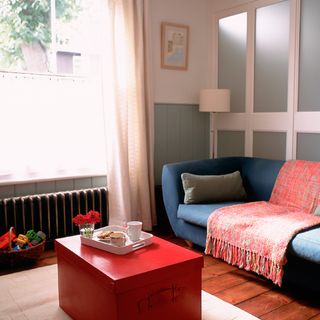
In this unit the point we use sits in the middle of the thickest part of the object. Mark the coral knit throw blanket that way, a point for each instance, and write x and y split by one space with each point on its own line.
255 235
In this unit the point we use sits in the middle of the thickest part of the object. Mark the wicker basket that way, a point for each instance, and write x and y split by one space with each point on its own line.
21 257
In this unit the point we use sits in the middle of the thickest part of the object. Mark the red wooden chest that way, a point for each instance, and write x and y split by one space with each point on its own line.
161 281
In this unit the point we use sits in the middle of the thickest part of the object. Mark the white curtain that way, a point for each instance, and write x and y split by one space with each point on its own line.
129 115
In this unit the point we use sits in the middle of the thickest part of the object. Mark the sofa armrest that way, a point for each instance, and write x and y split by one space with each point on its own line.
172 189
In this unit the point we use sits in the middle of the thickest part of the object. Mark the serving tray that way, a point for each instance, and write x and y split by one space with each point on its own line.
145 240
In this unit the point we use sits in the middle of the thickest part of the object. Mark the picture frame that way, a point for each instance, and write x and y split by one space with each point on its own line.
174 46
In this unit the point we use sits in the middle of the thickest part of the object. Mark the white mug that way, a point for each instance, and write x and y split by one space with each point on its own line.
134 230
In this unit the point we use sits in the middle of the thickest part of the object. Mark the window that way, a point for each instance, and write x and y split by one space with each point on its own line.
232 67
271 58
51 89
256 53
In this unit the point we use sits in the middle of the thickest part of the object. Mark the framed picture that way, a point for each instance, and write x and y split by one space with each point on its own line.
174 46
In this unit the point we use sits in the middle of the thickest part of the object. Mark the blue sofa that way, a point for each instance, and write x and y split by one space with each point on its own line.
189 221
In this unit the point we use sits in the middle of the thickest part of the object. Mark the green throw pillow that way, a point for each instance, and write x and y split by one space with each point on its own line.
317 211
214 188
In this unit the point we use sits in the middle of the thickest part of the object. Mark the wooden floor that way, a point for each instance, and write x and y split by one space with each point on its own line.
255 294
240 288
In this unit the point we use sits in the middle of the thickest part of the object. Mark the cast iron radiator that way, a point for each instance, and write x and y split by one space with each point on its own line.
52 212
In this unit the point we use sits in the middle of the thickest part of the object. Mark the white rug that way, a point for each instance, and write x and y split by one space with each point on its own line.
33 295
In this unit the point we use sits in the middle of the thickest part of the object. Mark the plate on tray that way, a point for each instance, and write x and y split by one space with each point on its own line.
145 240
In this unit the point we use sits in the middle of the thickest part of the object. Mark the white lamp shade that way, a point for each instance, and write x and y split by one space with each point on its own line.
214 100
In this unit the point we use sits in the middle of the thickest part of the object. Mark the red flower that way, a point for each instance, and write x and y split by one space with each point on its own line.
90 217
80 219
93 216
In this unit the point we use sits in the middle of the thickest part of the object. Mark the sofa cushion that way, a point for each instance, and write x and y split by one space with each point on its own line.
198 214
306 245
298 185
212 188
259 176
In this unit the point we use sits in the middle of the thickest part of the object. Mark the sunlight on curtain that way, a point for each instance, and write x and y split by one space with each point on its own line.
129 115
50 127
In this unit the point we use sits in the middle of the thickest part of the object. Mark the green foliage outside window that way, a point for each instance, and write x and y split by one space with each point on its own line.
27 22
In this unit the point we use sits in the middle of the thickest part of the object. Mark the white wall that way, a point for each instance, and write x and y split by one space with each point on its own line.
218 5
175 86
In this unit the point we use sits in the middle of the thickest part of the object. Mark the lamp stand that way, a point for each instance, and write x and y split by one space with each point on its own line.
212 135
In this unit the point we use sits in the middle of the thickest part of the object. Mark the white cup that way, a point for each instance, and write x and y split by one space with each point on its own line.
134 230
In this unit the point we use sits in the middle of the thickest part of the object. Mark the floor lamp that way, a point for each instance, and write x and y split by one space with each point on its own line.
214 100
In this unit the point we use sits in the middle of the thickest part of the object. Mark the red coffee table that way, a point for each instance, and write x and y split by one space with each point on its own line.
160 281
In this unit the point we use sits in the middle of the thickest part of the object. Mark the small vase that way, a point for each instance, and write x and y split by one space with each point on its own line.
86 230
